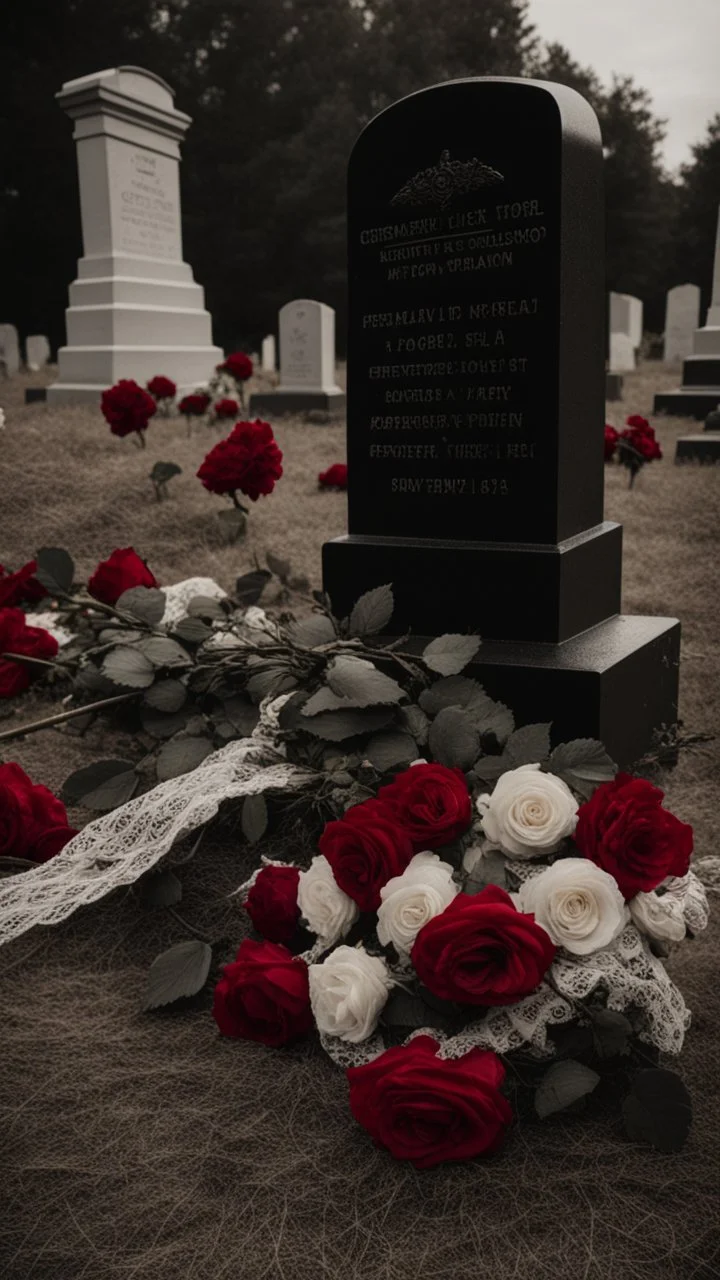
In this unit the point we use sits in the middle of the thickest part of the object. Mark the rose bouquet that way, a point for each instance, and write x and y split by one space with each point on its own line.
633 447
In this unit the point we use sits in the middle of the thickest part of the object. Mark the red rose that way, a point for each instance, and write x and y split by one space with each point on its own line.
226 409
481 950
162 388
194 406
121 571
431 802
263 995
636 420
366 848
127 407
428 1109
33 822
238 365
20 586
611 438
249 460
17 637
272 903
624 829
643 442
335 477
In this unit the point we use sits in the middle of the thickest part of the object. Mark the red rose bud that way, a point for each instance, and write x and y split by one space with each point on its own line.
31 642
336 477
248 460
431 802
643 442
272 903
127 408
194 406
263 995
611 438
238 365
641 424
366 848
428 1109
481 950
33 822
624 829
21 586
121 571
162 388
226 409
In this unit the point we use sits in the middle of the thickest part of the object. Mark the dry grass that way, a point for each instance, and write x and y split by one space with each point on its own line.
146 1148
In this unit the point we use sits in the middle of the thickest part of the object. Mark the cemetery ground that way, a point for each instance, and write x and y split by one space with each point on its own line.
147 1146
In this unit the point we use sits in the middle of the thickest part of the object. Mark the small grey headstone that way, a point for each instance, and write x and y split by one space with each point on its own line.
682 318
9 350
37 352
269 362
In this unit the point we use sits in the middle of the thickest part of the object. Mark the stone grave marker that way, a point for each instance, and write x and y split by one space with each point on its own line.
700 390
476 353
307 362
9 350
135 309
37 352
622 353
269 360
682 313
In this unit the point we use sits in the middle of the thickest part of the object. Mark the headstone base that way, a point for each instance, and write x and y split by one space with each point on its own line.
510 591
688 402
35 395
700 448
617 682
277 403
613 386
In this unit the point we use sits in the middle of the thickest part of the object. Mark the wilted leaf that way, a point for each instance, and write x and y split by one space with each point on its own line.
160 889
272 677
163 724
453 739
611 1032
372 612
181 755
529 745
583 763
161 651
564 1083
336 726
128 667
179 972
325 700
658 1109
166 695
360 683
147 604
249 587
205 607
164 471
192 630
254 819
242 714
449 654
281 568
313 631
102 785
389 749
55 570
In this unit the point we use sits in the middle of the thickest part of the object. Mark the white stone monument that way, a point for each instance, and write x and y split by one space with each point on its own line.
622 353
37 352
9 350
269 361
700 390
682 313
135 309
626 316
636 321
307 362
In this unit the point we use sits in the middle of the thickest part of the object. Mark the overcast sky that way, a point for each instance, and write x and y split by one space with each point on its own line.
670 47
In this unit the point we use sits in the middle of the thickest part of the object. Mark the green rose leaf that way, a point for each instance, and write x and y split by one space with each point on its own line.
163 724
490 768
313 631
147 604
449 654
271 677
658 1109
390 749
490 868
451 691
161 651
336 726
249 587
281 568
205 607
177 973
414 721
128 667
181 755
372 612
529 745
164 471
360 683
160 889
192 630
562 1085
102 785
242 714
583 763
254 819
166 695
612 1032
454 741
55 570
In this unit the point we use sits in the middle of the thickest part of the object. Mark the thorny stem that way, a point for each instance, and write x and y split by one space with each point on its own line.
201 937
41 662
49 721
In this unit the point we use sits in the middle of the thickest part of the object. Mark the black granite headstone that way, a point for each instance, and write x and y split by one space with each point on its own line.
476 374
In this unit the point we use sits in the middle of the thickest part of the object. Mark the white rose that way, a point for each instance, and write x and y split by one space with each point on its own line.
660 916
329 912
577 903
529 812
424 889
347 993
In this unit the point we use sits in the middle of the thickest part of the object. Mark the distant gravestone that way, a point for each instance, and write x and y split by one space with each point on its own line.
626 317
636 321
307 362
476 381
622 353
269 360
682 313
700 390
9 350
37 352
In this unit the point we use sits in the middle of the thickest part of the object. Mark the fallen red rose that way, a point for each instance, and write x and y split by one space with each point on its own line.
272 903
238 365
121 571
162 388
21 586
263 995
33 822
194 406
366 848
336 477
428 1109
127 407
32 642
431 802
248 460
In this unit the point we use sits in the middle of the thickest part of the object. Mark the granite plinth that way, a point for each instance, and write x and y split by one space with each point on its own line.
277 403
35 395
613 386
509 591
688 402
698 448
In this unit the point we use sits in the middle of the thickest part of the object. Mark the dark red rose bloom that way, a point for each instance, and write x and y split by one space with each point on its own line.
226 409
429 1109
127 407
162 388
366 848
33 822
641 424
335 477
431 802
272 903
17 637
121 571
249 460
194 406
20 586
481 950
611 438
263 995
624 829
238 365
643 441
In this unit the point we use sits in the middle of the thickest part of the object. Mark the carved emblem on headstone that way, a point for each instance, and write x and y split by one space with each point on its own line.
448 178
